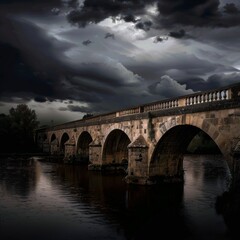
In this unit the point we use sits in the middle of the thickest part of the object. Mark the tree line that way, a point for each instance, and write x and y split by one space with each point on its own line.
17 130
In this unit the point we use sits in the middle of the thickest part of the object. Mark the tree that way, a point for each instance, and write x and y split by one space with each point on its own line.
5 133
88 115
23 123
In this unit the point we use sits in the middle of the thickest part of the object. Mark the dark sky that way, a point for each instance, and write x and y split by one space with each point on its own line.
66 58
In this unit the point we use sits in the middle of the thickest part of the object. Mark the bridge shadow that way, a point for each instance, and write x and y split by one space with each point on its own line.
139 211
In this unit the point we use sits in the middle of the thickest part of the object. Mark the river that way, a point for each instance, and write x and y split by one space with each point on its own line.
43 200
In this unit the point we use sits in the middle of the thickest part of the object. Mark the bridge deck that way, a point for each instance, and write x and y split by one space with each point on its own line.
216 99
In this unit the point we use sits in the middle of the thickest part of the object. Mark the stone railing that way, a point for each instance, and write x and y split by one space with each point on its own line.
128 111
107 116
206 97
196 98
221 94
161 105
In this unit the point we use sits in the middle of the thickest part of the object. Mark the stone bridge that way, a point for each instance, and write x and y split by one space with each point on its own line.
150 140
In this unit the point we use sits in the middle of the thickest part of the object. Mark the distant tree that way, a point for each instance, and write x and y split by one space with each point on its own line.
5 133
23 123
88 115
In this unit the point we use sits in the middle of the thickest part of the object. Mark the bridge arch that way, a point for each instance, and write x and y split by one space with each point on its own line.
167 157
83 142
53 137
203 124
54 144
64 138
115 148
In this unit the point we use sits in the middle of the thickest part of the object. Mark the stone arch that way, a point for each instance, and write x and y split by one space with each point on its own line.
53 137
167 157
115 148
204 125
64 138
54 144
83 142
112 128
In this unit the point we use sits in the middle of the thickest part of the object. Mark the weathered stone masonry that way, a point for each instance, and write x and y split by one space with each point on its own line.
151 139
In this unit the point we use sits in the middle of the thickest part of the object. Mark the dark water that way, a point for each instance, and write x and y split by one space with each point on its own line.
53 201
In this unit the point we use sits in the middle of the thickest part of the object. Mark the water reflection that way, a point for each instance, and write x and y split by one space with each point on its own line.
206 177
19 176
141 211
69 202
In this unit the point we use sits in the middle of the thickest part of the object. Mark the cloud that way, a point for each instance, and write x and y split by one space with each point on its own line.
144 25
129 18
221 80
188 12
110 35
168 88
212 82
160 39
231 8
94 11
40 99
86 42
196 13
175 61
75 108
46 74
170 13
180 34
55 11
44 58
19 78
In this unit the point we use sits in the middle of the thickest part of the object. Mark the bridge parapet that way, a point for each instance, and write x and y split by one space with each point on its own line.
161 105
134 110
209 96
221 94
107 116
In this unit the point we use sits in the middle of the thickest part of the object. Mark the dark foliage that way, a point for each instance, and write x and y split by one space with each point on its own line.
88 115
17 130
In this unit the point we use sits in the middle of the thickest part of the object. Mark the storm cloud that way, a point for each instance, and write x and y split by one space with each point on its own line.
79 57
169 13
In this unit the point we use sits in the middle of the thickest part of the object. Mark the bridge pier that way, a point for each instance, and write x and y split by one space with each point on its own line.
69 153
46 146
69 149
95 153
138 162
54 147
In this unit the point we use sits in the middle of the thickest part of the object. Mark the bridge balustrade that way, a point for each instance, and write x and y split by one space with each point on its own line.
129 111
206 97
108 116
197 98
161 105
222 94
